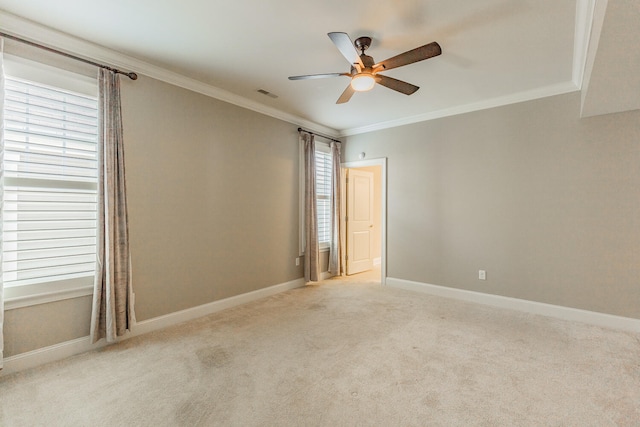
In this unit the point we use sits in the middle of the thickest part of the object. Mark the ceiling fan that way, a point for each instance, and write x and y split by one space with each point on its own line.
364 71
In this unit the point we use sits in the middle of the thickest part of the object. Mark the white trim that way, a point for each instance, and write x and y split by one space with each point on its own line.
382 162
533 307
584 22
11 303
322 145
52 353
365 163
66 349
598 14
203 310
543 92
325 275
23 68
32 31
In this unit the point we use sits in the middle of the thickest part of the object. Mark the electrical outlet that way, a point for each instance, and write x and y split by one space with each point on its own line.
297 261
482 275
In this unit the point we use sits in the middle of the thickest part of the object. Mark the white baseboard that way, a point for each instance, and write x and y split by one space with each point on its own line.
48 354
66 349
549 310
325 275
171 319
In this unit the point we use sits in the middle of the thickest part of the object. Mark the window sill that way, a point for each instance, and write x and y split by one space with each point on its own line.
42 293
321 249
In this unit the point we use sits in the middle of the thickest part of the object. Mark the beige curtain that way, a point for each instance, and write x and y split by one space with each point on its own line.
112 298
311 247
335 257
1 195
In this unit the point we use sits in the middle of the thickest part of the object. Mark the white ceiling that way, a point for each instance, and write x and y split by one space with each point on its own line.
494 51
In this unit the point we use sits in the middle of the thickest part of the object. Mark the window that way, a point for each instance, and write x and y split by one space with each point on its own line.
323 194
50 185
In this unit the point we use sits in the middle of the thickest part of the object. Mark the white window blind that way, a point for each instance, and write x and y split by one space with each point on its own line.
323 196
50 180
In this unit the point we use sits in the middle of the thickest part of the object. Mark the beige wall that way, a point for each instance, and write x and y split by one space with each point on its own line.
213 193
545 202
213 209
324 261
42 325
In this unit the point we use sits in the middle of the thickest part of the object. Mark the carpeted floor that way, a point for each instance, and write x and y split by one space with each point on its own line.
343 354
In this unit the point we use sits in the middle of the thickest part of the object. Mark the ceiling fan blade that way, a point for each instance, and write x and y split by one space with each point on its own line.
418 54
346 48
395 84
346 95
318 76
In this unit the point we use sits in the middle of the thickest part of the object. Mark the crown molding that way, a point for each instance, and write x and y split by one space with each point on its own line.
583 33
32 31
46 36
514 98
597 21
582 39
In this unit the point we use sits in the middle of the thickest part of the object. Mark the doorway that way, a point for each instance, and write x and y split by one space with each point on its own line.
364 204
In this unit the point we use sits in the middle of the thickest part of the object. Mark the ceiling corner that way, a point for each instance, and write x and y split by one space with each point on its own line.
583 36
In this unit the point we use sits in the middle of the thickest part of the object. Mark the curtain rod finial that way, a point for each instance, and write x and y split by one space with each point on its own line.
132 76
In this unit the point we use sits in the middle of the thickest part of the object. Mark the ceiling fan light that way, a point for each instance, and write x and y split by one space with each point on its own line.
362 82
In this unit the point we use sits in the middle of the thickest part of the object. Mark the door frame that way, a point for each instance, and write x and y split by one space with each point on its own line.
382 162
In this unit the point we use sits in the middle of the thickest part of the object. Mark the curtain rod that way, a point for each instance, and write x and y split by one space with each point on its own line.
311 133
131 75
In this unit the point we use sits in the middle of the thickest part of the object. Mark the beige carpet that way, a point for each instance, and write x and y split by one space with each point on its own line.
343 354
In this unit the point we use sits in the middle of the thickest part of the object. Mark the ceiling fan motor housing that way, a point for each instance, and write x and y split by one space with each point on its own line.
363 43
367 61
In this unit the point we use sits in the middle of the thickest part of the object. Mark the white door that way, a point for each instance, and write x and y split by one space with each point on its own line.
359 221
